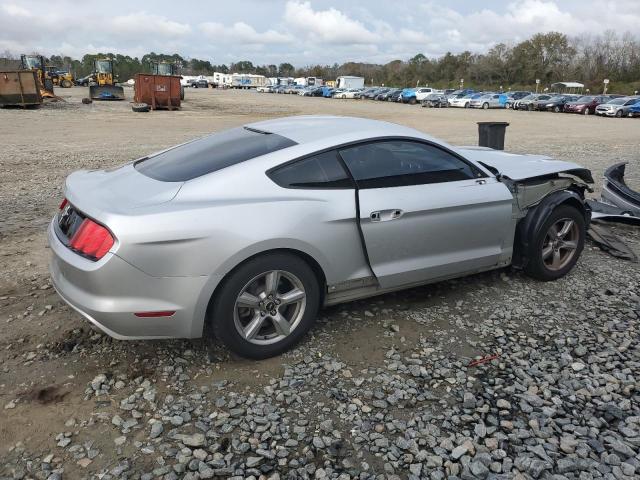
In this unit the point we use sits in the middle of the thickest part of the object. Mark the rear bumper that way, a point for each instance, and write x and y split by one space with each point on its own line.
109 291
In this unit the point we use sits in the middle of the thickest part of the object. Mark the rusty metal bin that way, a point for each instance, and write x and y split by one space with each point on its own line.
157 91
20 88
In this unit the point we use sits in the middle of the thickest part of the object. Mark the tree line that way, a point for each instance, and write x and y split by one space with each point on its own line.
547 57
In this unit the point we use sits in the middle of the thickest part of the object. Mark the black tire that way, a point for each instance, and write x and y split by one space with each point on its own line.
412 101
619 114
48 85
140 107
586 111
536 266
181 92
485 106
557 109
223 305
87 100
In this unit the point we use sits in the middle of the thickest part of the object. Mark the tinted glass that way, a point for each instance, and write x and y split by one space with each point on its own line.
399 162
320 171
211 153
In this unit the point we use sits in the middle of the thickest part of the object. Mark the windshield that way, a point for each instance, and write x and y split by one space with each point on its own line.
585 99
103 66
617 101
165 69
32 62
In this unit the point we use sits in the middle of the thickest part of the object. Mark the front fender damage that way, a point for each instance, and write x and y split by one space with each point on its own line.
534 200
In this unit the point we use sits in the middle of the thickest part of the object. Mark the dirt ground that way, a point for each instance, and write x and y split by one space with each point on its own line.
48 353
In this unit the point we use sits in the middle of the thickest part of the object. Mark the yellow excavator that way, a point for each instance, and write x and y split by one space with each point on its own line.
60 78
36 63
102 85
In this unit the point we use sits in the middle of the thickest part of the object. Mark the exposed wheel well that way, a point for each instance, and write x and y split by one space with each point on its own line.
308 259
526 227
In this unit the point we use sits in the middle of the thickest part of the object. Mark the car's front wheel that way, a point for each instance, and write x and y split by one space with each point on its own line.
558 244
266 305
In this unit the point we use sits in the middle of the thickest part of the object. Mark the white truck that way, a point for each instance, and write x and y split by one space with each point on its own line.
247 80
308 81
350 82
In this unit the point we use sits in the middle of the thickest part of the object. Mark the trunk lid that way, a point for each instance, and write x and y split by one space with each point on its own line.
520 167
117 190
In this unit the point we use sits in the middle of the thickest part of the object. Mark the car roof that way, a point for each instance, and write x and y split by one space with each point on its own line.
306 128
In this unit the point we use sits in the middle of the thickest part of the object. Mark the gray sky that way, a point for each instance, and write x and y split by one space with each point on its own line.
297 31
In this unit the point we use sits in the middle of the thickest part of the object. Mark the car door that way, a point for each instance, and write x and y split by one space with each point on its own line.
426 213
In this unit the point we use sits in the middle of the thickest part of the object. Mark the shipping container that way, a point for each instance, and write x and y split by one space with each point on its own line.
157 91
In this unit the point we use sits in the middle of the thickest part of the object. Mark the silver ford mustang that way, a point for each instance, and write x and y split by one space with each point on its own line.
246 233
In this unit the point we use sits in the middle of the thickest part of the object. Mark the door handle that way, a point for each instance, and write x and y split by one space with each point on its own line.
386 215
482 181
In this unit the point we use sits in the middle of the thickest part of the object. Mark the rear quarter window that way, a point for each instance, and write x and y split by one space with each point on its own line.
323 170
211 153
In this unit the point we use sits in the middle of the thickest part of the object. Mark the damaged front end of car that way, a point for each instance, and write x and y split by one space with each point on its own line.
536 198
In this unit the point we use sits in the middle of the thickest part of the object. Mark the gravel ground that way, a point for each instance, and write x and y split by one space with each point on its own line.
490 376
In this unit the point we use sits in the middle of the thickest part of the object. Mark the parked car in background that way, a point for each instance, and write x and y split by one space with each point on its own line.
585 105
489 100
435 100
634 111
618 107
463 101
513 97
529 102
199 83
183 242
384 96
372 94
449 91
416 95
395 96
554 104
293 89
327 92
353 93
313 92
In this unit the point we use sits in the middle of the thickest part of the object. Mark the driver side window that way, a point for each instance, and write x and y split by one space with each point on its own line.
393 163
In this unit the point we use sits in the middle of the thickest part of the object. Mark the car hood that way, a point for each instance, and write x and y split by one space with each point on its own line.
520 167
116 190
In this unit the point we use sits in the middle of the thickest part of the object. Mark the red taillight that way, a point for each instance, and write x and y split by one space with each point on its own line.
63 203
91 239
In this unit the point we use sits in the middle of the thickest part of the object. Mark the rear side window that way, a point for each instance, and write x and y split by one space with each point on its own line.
211 153
319 171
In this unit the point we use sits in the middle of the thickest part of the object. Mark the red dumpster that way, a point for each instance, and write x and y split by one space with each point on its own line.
157 91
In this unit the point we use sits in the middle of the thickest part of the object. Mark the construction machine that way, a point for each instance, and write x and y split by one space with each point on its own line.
36 64
103 82
60 78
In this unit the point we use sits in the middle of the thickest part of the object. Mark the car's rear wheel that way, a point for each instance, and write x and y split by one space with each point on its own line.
558 244
266 305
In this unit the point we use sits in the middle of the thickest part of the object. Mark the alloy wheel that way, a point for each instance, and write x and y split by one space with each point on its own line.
269 307
560 244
